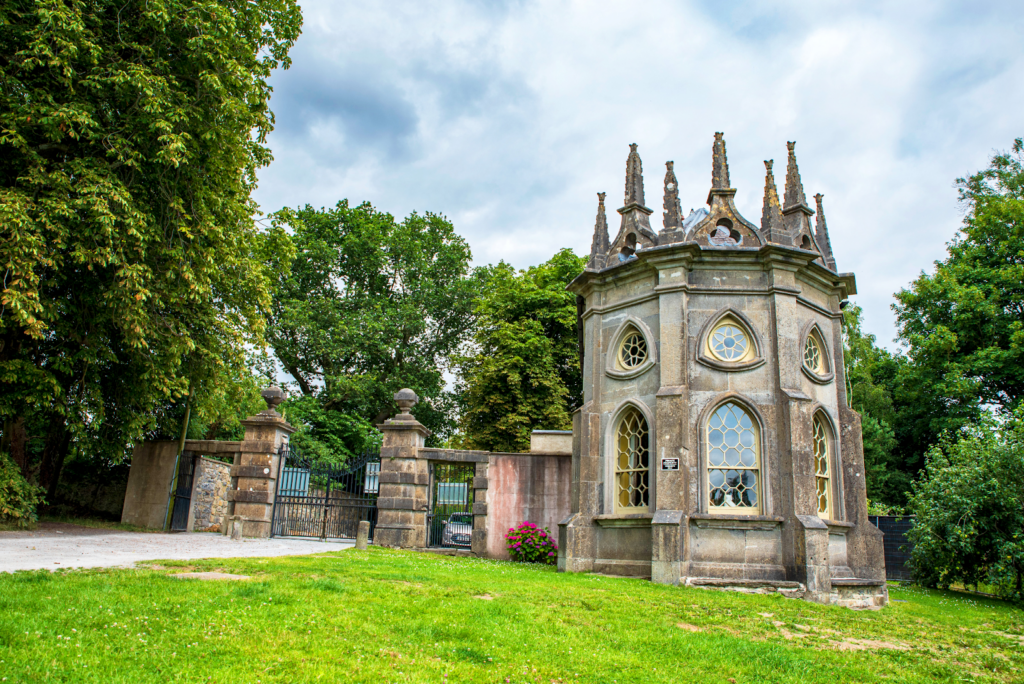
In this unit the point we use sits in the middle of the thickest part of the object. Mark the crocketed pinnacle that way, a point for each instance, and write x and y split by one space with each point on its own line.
719 164
794 186
634 178
771 212
673 216
599 247
821 234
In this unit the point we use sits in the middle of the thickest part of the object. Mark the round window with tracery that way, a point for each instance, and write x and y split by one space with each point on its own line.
813 358
728 342
633 350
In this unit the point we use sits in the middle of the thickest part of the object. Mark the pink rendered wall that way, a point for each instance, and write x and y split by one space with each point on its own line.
523 487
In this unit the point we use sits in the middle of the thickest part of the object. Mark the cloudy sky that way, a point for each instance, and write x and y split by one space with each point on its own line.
509 117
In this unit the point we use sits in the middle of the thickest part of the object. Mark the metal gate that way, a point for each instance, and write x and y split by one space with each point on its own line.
324 501
182 497
450 518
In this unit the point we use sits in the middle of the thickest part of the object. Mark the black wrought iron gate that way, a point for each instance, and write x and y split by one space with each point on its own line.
450 518
324 501
182 497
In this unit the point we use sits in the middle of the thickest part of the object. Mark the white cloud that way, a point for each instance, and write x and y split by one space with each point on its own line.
509 118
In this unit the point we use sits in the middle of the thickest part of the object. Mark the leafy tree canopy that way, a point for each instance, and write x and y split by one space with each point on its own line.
964 324
370 305
130 136
970 509
525 374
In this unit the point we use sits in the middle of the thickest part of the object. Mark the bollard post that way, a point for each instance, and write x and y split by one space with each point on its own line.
236 527
362 535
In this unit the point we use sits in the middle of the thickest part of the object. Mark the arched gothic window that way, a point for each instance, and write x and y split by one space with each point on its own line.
823 467
632 462
734 458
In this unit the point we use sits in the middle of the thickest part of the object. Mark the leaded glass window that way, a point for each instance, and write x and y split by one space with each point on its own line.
733 460
632 462
814 359
729 342
632 350
822 467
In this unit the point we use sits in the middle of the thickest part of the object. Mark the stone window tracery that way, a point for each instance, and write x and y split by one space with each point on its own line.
733 448
632 462
822 468
813 357
632 350
728 342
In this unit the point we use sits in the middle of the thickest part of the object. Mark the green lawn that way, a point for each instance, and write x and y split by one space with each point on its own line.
389 616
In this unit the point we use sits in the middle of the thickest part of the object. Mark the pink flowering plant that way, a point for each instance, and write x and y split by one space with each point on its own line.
528 543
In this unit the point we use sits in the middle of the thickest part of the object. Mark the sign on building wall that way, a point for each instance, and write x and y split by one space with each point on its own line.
670 464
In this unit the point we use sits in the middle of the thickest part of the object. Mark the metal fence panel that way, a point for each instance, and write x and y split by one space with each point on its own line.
895 544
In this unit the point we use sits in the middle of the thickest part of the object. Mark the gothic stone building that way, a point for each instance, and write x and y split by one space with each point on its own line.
715 446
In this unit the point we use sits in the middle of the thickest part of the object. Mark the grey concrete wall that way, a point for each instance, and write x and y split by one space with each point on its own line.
525 488
145 500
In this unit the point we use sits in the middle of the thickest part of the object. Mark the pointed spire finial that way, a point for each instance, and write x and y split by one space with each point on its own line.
821 235
794 186
771 211
719 164
599 247
673 216
634 178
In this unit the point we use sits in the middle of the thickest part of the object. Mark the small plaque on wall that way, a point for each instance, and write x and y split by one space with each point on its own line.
670 464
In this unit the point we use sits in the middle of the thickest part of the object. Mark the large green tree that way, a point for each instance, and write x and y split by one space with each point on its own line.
370 305
133 272
964 324
524 373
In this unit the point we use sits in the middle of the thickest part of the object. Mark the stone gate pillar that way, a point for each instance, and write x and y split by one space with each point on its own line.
404 480
255 470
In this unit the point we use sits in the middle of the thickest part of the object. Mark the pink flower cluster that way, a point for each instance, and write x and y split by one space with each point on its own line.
528 543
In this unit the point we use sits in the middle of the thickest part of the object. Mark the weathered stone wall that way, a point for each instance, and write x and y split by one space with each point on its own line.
210 495
525 487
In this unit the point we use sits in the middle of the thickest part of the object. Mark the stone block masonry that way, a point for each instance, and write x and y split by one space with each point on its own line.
210 496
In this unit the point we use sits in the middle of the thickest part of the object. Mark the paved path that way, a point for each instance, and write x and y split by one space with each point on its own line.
58 545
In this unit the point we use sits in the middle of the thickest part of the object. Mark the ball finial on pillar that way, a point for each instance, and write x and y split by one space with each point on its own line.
406 399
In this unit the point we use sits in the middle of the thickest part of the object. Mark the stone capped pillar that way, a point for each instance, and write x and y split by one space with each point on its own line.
256 467
404 480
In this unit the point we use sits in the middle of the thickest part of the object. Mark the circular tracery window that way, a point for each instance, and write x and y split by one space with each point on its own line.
633 350
813 358
728 342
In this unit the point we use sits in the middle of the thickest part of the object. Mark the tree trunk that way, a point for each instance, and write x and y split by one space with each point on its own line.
55 450
14 440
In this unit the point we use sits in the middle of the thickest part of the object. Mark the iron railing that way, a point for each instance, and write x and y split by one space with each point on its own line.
182 498
450 516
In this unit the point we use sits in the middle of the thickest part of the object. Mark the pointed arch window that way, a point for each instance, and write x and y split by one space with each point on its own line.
734 461
823 448
728 343
817 362
631 350
632 462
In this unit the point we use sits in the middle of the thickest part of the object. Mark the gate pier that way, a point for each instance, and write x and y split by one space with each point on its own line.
404 479
256 467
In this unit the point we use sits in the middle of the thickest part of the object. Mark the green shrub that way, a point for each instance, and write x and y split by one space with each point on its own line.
528 543
18 498
970 510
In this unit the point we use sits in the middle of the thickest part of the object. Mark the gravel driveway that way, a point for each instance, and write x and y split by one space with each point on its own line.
59 545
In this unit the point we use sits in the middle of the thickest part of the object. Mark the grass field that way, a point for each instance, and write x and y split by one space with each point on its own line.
390 616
